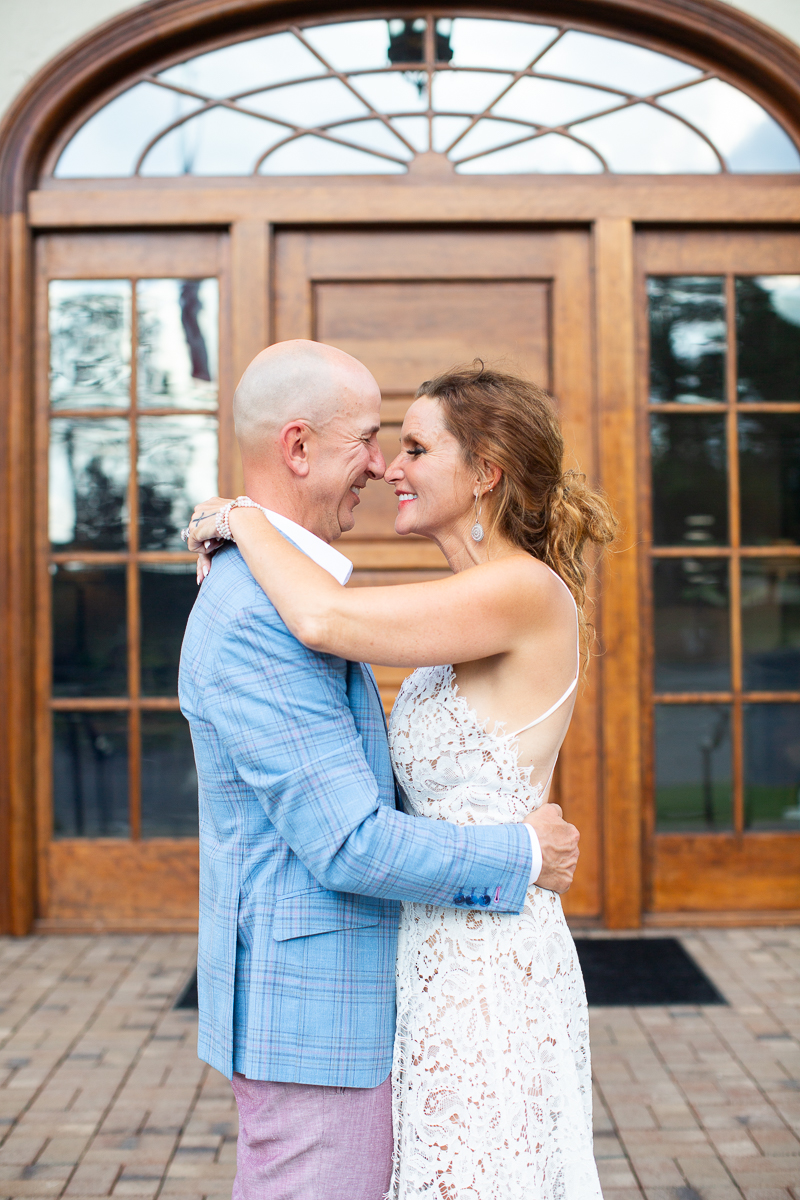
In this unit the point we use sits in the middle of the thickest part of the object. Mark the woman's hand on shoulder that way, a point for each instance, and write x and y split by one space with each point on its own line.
203 539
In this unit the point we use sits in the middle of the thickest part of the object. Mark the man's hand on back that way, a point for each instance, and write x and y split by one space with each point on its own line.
559 842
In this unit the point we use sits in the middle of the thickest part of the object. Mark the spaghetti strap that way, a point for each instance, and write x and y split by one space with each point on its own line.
554 707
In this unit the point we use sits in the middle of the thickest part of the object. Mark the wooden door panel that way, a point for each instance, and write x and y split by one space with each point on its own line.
730 864
410 304
135 871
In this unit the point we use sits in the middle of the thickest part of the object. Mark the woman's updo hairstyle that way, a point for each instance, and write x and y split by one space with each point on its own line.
512 424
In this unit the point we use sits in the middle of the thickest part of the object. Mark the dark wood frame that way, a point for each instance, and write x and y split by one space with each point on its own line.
756 57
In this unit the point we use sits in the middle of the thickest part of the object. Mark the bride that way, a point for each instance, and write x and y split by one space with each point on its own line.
491 1073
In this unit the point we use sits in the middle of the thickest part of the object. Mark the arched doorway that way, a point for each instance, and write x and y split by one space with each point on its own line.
416 188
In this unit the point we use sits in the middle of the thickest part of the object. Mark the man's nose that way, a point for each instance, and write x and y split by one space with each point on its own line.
377 465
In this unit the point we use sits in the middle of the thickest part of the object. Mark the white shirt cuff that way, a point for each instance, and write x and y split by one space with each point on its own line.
536 865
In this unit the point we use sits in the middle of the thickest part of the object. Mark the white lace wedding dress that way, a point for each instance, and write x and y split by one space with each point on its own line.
491 1077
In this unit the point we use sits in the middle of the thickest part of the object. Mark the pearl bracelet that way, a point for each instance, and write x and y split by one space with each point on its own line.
223 516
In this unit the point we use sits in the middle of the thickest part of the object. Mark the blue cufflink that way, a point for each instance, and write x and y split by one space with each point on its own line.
485 900
459 898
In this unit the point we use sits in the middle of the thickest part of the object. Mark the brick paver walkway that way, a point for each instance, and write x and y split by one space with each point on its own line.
101 1092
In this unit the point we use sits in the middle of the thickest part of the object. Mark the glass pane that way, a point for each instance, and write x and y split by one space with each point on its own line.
352 45
446 130
178 335
641 140
169 778
747 136
547 102
690 498
768 337
218 142
246 66
509 44
372 135
110 142
468 91
487 134
552 154
631 69
772 766
89 630
693 768
316 156
691 620
89 464
393 92
687 339
771 624
90 774
167 593
90 343
310 105
415 130
769 479
177 467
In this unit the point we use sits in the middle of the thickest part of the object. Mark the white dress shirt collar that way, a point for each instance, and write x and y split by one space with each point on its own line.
322 554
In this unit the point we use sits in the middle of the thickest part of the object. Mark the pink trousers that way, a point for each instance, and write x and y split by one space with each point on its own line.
301 1142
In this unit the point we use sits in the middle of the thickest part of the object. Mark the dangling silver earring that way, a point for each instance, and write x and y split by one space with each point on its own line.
477 528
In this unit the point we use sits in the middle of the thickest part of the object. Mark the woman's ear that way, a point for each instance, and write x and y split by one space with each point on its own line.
489 475
293 441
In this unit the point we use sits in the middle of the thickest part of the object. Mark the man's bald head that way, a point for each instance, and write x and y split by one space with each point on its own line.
296 380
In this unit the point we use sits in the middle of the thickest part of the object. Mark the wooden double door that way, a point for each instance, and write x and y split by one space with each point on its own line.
139 344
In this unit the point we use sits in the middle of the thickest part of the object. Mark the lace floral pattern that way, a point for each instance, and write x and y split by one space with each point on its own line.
491 1076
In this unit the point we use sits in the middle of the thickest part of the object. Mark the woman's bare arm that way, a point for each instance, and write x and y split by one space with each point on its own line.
477 613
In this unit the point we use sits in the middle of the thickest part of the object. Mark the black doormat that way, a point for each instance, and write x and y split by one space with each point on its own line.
188 997
642 971
617 972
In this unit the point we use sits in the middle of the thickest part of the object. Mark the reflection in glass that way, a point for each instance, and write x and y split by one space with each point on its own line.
548 155
168 591
415 130
89 630
691 622
772 767
445 131
504 44
548 102
768 337
90 774
169 777
89 464
90 343
631 69
687 338
177 464
217 142
178 324
690 499
771 624
693 768
769 478
373 135
110 142
392 92
642 140
747 136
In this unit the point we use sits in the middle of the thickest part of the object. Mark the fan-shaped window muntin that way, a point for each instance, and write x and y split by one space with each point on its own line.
367 97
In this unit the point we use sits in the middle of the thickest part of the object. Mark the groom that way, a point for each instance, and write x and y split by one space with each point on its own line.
304 850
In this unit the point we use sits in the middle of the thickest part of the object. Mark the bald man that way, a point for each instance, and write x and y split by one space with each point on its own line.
305 852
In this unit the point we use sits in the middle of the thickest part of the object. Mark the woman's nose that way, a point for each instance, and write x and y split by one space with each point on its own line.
393 471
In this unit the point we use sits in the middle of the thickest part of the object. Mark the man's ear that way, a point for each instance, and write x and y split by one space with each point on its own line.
293 441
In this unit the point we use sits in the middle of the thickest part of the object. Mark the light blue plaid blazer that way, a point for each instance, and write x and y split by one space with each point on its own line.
303 854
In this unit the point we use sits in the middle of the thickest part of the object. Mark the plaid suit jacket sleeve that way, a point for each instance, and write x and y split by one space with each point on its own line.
282 713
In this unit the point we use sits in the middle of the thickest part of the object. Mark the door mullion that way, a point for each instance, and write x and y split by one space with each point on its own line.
134 717
734 585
